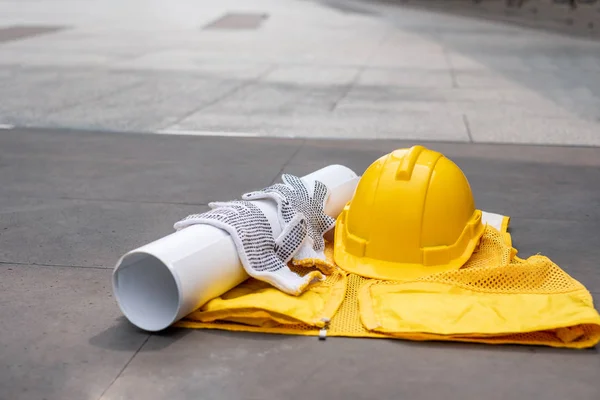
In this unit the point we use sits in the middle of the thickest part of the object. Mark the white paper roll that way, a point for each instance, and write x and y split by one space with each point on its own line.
163 281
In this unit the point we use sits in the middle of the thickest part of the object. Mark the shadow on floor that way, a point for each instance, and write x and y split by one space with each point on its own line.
121 336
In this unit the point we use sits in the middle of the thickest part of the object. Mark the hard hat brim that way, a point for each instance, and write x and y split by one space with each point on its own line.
385 270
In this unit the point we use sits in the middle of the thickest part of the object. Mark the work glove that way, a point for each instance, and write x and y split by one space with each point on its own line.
295 197
263 256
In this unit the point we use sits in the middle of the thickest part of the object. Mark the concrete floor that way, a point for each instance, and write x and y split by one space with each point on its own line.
72 202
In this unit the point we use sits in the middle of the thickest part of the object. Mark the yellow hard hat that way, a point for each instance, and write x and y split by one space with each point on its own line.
413 214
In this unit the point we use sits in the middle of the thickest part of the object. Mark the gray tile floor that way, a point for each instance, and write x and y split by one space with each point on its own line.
71 202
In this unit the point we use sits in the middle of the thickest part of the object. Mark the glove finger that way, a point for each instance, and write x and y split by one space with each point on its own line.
299 186
288 281
291 238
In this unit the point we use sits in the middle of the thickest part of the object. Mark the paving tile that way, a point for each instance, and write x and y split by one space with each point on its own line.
190 60
496 79
307 75
535 130
61 335
46 57
91 166
50 231
13 78
466 61
470 156
34 94
257 366
344 123
396 57
571 90
572 245
292 124
156 102
389 96
403 77
275 97
420 126
532 190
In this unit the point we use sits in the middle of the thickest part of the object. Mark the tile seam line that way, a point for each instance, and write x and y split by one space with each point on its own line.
285 165
361 69
124 367
81 130
91 101
243 85
33 264
448 59
468 128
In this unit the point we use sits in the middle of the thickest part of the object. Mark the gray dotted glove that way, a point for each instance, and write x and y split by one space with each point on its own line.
294 197
263 256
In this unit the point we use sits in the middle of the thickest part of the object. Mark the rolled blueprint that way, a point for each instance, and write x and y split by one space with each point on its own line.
159 283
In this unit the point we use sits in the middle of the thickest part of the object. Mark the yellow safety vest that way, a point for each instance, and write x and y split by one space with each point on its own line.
496 297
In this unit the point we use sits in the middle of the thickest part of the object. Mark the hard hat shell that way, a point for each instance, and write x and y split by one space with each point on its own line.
413 214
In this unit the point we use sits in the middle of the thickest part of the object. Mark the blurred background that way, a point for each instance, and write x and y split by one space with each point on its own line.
511 71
